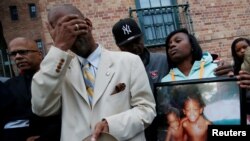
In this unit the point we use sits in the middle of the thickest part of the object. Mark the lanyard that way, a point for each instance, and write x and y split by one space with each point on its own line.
200 74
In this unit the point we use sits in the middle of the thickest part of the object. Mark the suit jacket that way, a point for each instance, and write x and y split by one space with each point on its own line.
6 103
59 83
20 90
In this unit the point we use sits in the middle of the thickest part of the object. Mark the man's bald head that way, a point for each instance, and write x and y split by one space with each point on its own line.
58 11
27 43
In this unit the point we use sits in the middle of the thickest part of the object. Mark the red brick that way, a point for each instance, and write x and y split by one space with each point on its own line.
24 26
215 22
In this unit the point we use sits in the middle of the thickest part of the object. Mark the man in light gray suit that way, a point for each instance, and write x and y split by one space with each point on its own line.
121 101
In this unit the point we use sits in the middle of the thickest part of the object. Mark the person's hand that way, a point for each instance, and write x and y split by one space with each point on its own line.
66 31
230 74
223 68
244 79
32 138
101 126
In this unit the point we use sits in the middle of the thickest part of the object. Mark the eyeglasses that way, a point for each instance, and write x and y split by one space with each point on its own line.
20 52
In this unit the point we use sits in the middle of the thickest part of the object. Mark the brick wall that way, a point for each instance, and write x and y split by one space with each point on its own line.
218 22
24 26
102 13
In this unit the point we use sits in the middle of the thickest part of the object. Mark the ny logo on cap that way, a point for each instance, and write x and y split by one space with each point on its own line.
126 29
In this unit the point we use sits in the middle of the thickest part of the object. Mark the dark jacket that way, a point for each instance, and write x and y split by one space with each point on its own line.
48 128
6 102
156 68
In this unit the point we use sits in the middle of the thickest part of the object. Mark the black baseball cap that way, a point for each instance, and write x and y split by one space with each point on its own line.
125 31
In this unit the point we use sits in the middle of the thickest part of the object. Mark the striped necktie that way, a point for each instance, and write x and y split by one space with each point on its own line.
89 81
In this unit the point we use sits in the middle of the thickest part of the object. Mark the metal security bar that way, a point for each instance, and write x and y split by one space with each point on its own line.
2 69
157 22
6 69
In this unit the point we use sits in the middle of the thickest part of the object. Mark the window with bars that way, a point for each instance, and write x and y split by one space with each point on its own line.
32 10
157 18
13 13
40 46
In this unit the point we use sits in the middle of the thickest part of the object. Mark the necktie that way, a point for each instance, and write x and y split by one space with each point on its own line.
89 81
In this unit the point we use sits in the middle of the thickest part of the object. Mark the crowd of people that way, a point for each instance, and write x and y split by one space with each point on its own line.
80 89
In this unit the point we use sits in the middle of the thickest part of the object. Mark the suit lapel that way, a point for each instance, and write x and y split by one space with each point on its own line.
104 75
76 78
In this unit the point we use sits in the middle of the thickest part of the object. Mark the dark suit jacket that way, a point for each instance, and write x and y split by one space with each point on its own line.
6 102
47 128
20 88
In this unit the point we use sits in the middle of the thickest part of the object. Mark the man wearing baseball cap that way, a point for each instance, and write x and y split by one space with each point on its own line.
128 37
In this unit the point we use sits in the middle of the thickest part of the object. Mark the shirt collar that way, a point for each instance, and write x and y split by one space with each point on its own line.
93 58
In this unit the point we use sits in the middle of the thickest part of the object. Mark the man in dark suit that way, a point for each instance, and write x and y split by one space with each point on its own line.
22 123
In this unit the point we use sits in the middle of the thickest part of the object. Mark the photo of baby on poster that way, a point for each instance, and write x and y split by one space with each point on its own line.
186 109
